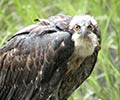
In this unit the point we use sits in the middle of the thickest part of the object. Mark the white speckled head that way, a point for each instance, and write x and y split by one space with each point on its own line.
85 40
82 20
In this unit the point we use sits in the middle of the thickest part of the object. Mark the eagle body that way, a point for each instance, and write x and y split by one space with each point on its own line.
49 60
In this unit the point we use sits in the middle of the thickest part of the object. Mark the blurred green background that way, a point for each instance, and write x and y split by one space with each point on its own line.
104 83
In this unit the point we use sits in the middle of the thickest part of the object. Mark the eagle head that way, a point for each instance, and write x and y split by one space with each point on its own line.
84 36
83 24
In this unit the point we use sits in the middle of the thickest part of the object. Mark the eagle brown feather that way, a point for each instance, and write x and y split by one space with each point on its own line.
34 61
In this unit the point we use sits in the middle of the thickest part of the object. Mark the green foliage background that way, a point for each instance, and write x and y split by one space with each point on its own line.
104 83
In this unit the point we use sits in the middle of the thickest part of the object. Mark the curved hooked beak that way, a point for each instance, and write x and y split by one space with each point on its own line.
83 31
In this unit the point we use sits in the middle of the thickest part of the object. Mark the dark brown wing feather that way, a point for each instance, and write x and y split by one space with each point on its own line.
60 21
32 63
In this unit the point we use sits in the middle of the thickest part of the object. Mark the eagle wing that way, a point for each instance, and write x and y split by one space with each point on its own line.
33 62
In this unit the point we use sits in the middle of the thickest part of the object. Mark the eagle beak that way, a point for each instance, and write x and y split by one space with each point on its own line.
84 31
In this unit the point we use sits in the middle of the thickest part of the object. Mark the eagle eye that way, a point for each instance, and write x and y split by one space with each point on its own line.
77 27
90 27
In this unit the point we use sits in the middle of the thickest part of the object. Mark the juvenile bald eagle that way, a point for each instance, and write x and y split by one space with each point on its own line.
50 59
